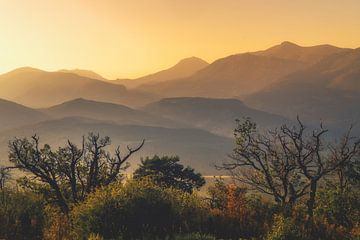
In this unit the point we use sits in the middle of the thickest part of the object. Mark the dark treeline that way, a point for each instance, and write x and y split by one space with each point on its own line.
287 183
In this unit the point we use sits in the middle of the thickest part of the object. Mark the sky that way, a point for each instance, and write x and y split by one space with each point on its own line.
132 38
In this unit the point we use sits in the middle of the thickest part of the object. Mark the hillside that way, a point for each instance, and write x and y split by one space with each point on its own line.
15 115
184 68
196 147
243 74
84 73
215 115
37 88
329 90
106 111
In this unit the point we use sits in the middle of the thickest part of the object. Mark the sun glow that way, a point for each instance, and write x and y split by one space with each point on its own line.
132 38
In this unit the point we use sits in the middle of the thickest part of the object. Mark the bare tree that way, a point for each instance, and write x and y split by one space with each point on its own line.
70 172
289 162
266 163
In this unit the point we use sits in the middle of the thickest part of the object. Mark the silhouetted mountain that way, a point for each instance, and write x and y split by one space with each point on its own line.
228 77
243 74
185 68
196 147
309 55
106 111
215 115
36 88
328 90
15 115
84 73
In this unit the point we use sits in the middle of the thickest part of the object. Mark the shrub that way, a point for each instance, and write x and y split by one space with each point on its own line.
284 229
137 210
339 207
21 215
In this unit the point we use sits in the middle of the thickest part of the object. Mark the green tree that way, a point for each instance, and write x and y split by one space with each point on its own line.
168 172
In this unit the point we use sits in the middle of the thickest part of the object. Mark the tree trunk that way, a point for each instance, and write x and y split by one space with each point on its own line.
311 201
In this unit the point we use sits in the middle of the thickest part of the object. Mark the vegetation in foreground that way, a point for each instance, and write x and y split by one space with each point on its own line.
288 183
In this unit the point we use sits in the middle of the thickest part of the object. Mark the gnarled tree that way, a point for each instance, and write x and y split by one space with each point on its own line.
267 163
68 174
287 163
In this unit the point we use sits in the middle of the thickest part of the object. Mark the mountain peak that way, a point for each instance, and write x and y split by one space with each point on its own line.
184 68
307 55
25 70
84 73
192 60
288 44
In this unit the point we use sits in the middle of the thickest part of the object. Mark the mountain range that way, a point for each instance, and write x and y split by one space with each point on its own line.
37 88
243 74
200 145
188 109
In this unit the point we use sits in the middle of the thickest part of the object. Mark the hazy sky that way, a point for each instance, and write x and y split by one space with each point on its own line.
120 38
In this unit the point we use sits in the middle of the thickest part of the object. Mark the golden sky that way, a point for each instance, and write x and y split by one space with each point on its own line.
130 38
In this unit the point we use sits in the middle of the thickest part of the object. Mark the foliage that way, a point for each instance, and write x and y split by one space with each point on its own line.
339 207
235 214
168 172
284 229
58 225
92 201
136 210
21 215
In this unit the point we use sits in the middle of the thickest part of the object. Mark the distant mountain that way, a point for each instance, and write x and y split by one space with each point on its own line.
37 88
243 74
108 112
196 147
328 90
229 77
309 55
215 115
84 73
184 68
14 115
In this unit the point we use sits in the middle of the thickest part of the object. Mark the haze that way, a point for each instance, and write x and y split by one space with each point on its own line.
133 38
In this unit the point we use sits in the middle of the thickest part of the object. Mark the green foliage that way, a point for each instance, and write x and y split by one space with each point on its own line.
339 207
168 172
137 210
284 229
21 215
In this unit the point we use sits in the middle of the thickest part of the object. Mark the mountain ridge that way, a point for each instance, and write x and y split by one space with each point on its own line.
184 68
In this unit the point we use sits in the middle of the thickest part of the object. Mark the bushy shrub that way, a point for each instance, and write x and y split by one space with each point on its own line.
137 210
340 207
21 215
284 229
58 225
234 214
